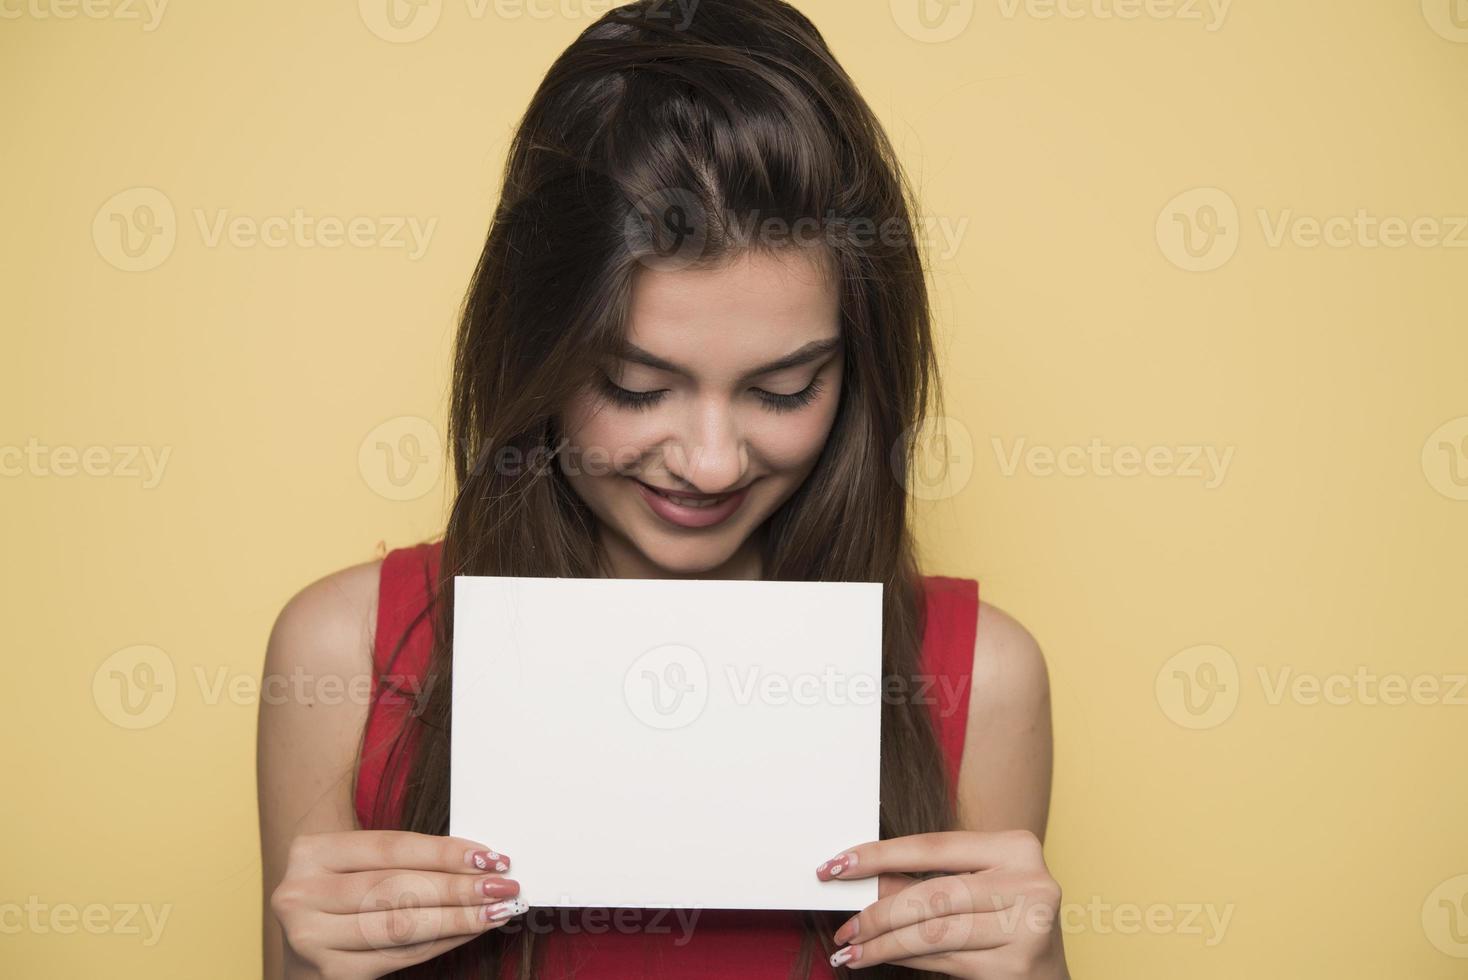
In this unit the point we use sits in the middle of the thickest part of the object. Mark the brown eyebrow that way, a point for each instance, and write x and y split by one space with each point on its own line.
814 350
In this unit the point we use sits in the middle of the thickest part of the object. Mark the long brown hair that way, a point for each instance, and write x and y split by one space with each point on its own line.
655 140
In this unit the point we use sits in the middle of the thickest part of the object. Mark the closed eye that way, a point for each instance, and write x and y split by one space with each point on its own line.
628 399
789 403
773 401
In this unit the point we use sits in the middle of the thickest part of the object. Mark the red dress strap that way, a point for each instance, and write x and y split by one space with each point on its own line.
404 612
948 659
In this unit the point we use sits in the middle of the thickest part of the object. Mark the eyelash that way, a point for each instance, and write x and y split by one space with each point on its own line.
638 400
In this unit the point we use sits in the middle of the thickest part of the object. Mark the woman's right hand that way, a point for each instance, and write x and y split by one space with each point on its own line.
360 904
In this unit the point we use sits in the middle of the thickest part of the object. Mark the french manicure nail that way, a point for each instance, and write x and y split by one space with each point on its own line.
500 911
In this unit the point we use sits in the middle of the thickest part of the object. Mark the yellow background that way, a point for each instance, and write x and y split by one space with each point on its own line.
1332 835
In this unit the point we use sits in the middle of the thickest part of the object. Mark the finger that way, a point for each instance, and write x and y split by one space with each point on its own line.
931 898
952 851
395 928
894 884
363 891
945 934
959 964
401 957
369 850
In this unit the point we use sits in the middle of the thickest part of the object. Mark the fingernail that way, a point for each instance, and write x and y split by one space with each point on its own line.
487 860
839 864
847 932
500 911
846 954
498 887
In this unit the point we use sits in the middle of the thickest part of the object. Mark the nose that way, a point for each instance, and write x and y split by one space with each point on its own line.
710 455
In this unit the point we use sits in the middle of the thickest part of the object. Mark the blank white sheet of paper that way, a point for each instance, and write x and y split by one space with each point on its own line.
681 743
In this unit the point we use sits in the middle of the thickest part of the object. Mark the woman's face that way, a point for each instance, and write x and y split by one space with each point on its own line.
722 402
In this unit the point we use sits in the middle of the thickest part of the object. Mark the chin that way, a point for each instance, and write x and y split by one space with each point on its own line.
687 558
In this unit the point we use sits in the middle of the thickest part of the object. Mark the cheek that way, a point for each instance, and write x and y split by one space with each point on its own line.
603 440
793 441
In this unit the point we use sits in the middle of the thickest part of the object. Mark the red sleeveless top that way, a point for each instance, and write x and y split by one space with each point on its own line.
652 943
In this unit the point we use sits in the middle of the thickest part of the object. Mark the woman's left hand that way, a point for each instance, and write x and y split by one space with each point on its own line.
991 912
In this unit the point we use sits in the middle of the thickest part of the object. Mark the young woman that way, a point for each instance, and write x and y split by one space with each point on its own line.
696 345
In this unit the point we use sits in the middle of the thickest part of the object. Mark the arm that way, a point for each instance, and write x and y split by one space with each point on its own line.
1004 779
991 912
306 750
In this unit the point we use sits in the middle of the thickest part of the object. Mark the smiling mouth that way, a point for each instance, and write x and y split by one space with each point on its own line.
693 500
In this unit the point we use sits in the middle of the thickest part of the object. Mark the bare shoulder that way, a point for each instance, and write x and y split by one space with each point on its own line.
315 691
1004 782
328 623
1009 672
313 706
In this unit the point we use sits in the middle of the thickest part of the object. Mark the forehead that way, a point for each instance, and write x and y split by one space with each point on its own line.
756 305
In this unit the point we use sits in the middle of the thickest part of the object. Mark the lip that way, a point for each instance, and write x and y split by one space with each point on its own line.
691 517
